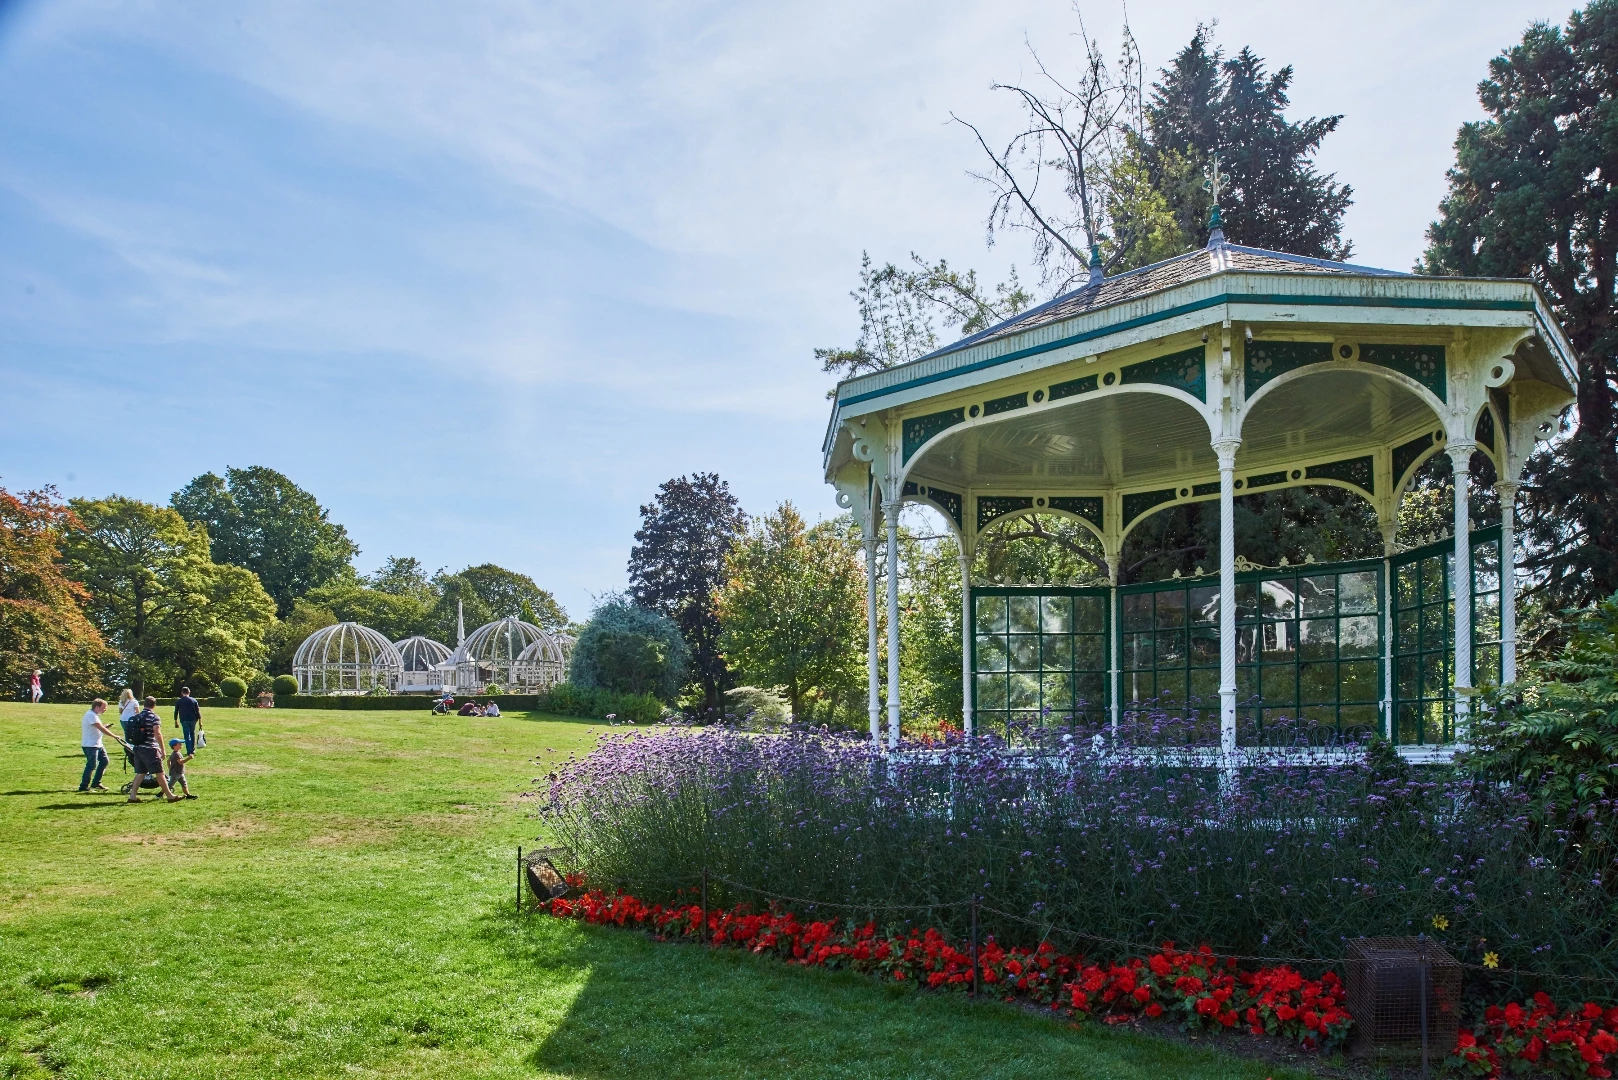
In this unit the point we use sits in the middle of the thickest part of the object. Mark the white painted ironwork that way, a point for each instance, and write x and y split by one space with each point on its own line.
346 659
516 656
421 660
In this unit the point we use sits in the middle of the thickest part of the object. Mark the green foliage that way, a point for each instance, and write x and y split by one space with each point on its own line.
628 649
1277 199
287 635
1531 195
507 592
42 620
284 685
566 699
201 685
159 599
395 615
259 519
1039 547
1555 733
791 609
232 687
930 630
678 564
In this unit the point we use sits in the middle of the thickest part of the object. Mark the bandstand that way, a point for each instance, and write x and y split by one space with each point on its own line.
1219 373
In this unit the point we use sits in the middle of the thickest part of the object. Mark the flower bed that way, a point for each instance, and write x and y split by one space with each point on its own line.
1539 1037
1195 986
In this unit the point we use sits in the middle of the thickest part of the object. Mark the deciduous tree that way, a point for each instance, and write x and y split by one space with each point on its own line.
259 519
158 597
791 611
42 621
629 649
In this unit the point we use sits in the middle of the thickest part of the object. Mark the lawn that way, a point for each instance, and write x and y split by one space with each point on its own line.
338 902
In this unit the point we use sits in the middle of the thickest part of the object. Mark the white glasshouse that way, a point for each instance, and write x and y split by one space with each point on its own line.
346 659
420 658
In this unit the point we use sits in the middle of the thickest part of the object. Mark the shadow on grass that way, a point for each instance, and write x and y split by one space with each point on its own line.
98 805
663 1010
48 791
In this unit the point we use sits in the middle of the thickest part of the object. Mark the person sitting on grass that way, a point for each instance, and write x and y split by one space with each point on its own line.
469 708
95 753
146 747
493 709
177 768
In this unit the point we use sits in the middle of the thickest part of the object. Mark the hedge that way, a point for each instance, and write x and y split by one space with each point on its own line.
564 699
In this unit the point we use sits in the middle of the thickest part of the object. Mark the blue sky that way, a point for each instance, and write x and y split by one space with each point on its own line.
481 275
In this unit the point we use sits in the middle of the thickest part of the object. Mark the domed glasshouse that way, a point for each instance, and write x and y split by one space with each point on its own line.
346 659
517 656
421 658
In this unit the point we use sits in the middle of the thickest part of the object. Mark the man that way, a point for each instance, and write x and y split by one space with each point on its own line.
146 747
95 754
189 715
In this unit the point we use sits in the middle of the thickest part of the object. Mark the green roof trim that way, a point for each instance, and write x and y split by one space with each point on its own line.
918 429
1418 302
1073 387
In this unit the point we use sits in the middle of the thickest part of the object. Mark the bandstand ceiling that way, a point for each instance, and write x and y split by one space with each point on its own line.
1101 442
1331 413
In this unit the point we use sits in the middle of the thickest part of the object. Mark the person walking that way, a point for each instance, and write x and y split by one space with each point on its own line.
127 708
35 691
146 747
95 754
189 716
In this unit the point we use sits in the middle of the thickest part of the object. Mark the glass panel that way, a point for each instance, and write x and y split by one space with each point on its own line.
1170 609
990 722
1204 646
1278 600
991 614
1359 719
1057 692
1170 647
1138 650
1089 651
1024 614
991 691
1408 678
1056 614
1278 683
1432 579
1089 614
1357 593
1139 685
1205 684
1171 686
1409 723
1318 595
1280 641
1408 635
1205 605
1090 690
1056 653
1246 600
1023 692
991 654
1138 611
1434 683
1317 683
1246 683
1486 567
1357 636
1317 639
1024 652
1434 636
1358 682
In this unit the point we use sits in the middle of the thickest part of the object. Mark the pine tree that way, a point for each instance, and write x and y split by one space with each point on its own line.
1531 195
1277 198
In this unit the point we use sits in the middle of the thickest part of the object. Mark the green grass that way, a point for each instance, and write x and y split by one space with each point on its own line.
338 902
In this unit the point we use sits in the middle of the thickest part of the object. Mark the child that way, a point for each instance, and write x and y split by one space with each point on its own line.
177 762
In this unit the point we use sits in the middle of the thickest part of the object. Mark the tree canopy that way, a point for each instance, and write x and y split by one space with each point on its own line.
259 519
791 608
678 565
158 597
42 621
1532 195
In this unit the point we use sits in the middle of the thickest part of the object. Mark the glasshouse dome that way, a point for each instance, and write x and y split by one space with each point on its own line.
517 656
346 659
422 659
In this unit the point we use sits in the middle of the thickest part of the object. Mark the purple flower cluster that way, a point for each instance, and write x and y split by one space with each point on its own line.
1097 840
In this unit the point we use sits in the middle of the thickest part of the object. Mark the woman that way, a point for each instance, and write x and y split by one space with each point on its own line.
127 708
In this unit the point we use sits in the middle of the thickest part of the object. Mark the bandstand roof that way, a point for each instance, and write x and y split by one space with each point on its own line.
1103 402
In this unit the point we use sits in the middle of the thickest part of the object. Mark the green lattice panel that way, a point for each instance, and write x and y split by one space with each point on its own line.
1360 471
1073 387
918 429
1266 360
1088 507
1405 456
995 406
1423 363
1138 503
1185 370
994 506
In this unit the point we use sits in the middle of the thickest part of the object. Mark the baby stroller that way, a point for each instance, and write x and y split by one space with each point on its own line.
148 781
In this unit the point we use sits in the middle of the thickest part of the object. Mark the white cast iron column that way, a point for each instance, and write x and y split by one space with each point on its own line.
1507 490
873 664
1226 450
890 510
966 642
1460 456
1115 638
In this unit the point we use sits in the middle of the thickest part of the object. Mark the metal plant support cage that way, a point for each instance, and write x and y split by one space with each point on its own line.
1386 980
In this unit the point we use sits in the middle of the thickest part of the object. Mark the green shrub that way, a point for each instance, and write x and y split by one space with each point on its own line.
1555 735
627 649
284 685
201 686
232 687
566 699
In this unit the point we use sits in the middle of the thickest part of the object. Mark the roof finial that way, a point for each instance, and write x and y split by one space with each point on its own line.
1214 182
1095 263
